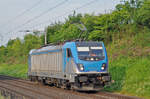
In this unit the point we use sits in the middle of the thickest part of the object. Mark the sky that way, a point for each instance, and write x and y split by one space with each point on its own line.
19 15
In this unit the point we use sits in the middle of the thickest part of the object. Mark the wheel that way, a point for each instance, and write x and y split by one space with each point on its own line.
30 78
43 81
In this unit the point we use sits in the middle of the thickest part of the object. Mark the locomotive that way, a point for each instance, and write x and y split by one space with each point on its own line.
72 65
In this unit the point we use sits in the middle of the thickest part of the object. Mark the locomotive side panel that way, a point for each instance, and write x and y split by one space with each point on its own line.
48 63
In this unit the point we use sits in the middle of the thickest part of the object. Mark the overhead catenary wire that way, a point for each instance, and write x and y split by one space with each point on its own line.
49 20
80 7
45 12
41 14
1 37
23 13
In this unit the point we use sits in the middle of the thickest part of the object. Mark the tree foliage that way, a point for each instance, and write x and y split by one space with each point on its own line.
128 19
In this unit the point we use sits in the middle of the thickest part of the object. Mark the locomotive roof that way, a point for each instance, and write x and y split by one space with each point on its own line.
58 47
43 49
90 43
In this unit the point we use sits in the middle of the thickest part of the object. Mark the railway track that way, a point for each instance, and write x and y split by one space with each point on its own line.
24 89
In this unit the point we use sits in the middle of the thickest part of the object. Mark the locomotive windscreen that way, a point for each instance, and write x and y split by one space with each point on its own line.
90 51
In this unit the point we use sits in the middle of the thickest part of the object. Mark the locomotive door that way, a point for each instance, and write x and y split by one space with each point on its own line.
68 60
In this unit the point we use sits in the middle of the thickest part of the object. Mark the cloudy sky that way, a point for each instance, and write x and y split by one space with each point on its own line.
20 15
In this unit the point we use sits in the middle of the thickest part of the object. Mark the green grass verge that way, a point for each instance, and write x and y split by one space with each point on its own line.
18 70
1 97
129 66
131 75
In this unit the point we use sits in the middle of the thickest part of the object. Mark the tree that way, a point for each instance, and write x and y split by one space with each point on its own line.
143 16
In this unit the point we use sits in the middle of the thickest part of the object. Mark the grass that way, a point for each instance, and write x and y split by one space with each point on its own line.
129 66
131 77
138 78
1 97
17 70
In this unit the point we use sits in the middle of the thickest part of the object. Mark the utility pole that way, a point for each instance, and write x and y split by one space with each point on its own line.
45 36
1 38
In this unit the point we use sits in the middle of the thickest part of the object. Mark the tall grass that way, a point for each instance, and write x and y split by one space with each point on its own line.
1 97
129 65
17 70
131 75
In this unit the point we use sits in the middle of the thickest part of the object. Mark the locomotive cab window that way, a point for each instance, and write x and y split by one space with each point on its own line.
90 51
69 54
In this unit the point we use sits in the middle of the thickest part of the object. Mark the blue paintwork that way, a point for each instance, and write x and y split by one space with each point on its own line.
72 46
88 65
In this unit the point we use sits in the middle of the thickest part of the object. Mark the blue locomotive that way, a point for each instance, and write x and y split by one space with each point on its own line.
72 65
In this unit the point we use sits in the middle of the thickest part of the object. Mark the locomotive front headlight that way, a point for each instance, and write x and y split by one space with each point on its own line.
81 67
103 66
92 59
